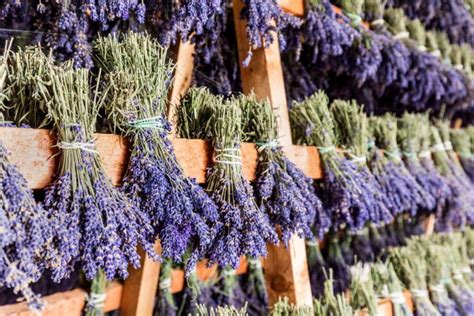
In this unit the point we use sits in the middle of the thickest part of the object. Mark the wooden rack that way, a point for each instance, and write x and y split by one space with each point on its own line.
286 269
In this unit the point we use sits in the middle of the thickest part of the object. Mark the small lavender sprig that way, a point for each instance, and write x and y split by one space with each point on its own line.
242 228
96 226
138 78
282 191
313 124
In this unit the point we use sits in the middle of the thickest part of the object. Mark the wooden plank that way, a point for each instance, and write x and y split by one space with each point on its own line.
31 150
66 303
295 7
384 308
139 289
409 300
429 224
184 59
286 269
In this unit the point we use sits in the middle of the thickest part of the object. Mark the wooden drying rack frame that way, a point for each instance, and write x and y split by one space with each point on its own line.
286 270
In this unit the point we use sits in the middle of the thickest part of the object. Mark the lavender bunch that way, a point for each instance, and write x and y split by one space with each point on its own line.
387 284
227 291
408 137
461 140
242 228
437 275
336 263
363 294
195 294
316 267
254 287
166 304
332 303
457 208
412 268
313 124
282 191
265 18
352 133
405 191
97 227
138 78
26 233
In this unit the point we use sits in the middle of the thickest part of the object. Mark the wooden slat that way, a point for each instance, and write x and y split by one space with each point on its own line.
31 150
409 300
69 303
139 289
295 7
384 308
286 269
429 225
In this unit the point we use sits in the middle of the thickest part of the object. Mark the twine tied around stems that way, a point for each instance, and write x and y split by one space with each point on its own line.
459 67
402 35
436 53
425 154
377 22
448 145
409 154
419 293
394 155
422 48
446 280
96 300
466 270
355 19
324 150
88 147
357 159
255 262
370 144
233 153
264 145
458 275
397 297
438 148
165 284
311 243
151 122
438 288
228 272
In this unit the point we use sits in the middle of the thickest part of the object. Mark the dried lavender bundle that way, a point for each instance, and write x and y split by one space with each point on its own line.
377 243
363 294
437 275
387 284
458 205
401 187
166 304
412 268
227 291
335 262
196 293
316 268
352 133
408 136
282 190
26 233
138 78
96 226
242 228
254 286
313 124
332 303
461 140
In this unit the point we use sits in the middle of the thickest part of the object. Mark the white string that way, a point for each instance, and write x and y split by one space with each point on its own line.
448 145
96 300
458 276
165 284
438 288
311 243
377 22
436 53
438 148
89 147
402 35
222 154
459 66
425 154
419 293
397 297
422 48
357 159
393 155
271 144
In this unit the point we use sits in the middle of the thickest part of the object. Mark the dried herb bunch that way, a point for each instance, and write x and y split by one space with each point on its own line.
363 294
138 76
242 228
461 139
402 188
282 191
352 133
97 227
313 124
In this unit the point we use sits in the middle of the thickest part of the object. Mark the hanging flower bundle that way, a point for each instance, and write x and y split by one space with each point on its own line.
335 261
332 302
401 187
313 124
96 226
461 139
363 294
316 268
408 137
166 303
254 287
138 77
242 228
282 191
352 133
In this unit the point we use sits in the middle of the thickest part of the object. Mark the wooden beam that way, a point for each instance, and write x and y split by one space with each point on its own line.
286 269
295 7
32 151
139 289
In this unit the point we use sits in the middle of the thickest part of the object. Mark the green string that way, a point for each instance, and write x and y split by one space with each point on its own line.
325 150
152 122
